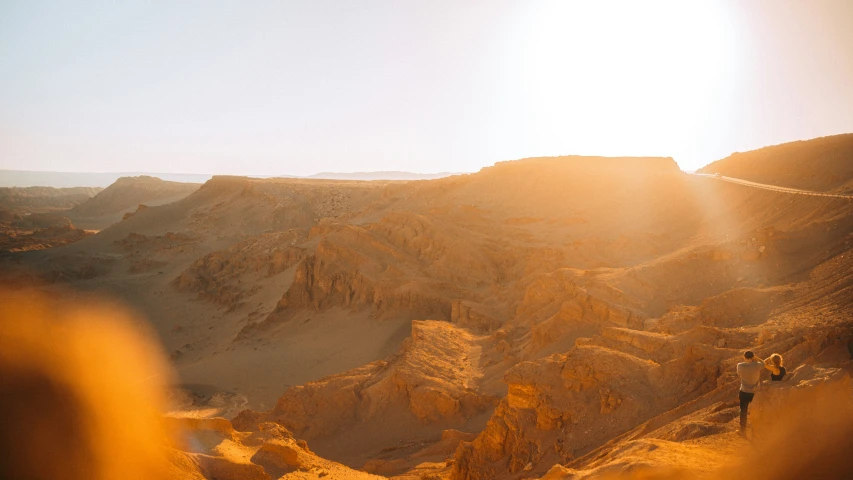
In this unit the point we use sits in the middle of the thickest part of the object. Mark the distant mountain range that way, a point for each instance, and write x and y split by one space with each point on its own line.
387 175
26 178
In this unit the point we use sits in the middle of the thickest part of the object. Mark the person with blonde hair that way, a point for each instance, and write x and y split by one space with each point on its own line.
777 370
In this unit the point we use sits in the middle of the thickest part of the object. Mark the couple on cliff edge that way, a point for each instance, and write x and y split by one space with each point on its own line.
749 372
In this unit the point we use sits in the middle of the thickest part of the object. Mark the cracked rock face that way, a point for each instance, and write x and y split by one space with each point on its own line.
563 405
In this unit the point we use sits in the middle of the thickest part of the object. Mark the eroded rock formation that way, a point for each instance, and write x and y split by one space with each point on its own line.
563 405
211 448
224 276
435 377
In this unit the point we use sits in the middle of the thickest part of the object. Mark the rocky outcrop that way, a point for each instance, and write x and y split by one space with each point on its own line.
471 315
417 461
564 405
661 348
213 448
558 309
434 378
36 231
734 308
444 250
222 276
352 268
758 266
319 285
139 208
798 428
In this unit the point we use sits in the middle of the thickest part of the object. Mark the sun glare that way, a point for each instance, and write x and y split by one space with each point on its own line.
622 78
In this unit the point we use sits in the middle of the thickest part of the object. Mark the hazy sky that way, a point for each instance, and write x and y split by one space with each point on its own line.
286 87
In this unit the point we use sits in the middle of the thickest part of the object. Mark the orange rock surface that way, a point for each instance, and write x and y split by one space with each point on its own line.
566 317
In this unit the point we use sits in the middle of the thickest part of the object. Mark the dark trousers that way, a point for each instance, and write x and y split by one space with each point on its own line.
745 399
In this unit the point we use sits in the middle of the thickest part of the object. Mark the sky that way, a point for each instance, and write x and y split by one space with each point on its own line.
300 87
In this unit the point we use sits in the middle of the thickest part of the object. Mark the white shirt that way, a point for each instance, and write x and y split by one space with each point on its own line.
750 375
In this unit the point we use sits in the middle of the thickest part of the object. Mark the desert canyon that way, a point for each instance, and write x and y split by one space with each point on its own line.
545 318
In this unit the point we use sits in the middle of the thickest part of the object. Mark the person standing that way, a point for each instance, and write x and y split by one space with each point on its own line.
749 372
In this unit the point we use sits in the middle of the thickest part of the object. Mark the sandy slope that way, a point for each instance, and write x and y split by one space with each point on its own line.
822 164
124 196
794 191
